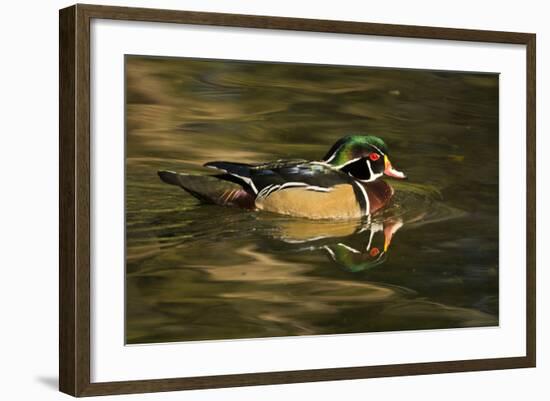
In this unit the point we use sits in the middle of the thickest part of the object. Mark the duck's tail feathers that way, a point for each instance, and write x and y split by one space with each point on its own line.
170 177
211 189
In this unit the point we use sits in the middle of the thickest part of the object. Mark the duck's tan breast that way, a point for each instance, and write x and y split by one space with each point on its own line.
339 203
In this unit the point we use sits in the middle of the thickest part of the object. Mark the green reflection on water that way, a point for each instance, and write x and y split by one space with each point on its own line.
198 272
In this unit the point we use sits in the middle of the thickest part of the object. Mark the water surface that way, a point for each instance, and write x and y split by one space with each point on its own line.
196 272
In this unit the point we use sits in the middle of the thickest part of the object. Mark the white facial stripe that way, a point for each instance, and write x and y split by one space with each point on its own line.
370 168
371 236
378 149
374 228
373 176
348 162
332 156
349 248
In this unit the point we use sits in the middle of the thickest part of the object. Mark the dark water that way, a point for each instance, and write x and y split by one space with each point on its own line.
198 272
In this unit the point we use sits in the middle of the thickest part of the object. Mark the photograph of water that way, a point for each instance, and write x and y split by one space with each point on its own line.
335 200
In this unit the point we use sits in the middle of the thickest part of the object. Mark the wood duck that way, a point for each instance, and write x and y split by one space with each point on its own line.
342 185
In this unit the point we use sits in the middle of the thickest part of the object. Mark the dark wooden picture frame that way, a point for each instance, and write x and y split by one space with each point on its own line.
74 204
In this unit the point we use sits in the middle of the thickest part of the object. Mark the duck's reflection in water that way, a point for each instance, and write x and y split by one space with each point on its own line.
290 276
353 245
362 244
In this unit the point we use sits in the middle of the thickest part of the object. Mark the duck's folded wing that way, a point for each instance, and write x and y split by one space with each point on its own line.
268 178
254 176
311 176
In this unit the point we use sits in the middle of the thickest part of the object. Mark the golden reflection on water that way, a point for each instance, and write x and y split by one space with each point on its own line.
197 272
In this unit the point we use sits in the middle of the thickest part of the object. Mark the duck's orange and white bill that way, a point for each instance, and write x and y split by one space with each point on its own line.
390 171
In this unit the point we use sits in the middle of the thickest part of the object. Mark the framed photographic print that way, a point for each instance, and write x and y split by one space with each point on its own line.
251 200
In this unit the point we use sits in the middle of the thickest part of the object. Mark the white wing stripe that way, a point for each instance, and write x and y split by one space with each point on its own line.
245 179
378 149
265 192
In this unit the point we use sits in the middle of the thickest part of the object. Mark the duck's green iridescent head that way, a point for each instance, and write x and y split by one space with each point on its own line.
364 157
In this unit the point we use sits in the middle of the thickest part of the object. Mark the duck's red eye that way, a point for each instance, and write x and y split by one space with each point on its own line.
374 156
374 252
